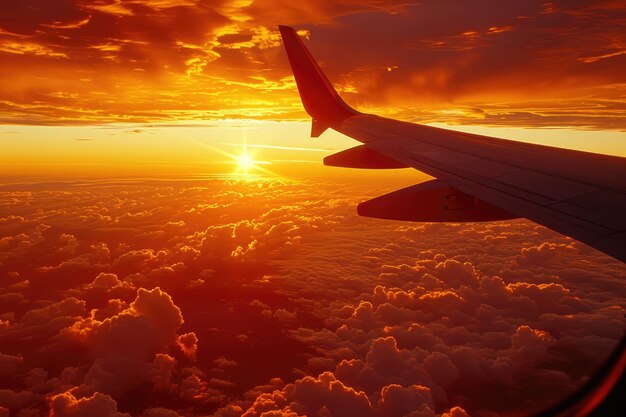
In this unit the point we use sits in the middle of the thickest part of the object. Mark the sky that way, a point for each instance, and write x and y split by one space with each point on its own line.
171 244
144 67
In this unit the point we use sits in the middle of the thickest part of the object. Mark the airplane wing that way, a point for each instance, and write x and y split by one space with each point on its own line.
478 178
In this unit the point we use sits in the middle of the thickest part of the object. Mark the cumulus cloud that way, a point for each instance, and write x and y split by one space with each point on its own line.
68 244
161 371
188 343
148 326
45 321
124 343
455 273
98 405
296 307
455 412
544 252
413 401
310 396
430 336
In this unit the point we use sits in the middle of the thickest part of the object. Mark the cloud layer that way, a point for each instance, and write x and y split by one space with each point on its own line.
272 298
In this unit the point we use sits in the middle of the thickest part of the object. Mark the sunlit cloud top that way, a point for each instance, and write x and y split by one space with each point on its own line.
515 63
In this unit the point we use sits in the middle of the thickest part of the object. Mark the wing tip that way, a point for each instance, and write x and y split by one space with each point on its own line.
319 97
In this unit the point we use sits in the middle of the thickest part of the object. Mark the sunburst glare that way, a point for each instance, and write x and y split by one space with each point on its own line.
245 161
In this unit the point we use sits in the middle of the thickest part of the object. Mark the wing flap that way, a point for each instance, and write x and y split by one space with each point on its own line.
362 157
432 201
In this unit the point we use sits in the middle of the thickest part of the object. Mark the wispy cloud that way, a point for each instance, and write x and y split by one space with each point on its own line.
224 60
282 148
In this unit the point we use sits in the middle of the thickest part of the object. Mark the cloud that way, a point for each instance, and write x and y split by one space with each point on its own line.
68 243
98 405
432 61
455 412
161 372
125 346
543 253
313 314
310 396
124 343
529 345
188 343
44 322
9 364
455 273
14 400
413 401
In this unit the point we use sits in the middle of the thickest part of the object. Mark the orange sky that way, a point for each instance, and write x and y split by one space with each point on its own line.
523 64
201 148
139 275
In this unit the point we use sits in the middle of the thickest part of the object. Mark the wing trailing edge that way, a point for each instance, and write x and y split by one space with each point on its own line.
432 201
362 157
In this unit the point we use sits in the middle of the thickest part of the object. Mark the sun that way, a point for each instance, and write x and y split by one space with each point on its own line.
245 161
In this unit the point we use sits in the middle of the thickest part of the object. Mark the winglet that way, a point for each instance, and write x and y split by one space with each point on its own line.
317 128
318 96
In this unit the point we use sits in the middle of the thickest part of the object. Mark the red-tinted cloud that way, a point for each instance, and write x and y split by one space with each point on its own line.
528 63
165 298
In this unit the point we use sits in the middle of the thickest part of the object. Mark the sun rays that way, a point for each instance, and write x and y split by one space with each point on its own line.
245 161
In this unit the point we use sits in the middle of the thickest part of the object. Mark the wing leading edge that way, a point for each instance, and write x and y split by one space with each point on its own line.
579 194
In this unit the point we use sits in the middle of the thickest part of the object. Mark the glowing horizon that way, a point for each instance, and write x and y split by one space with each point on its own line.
186 148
